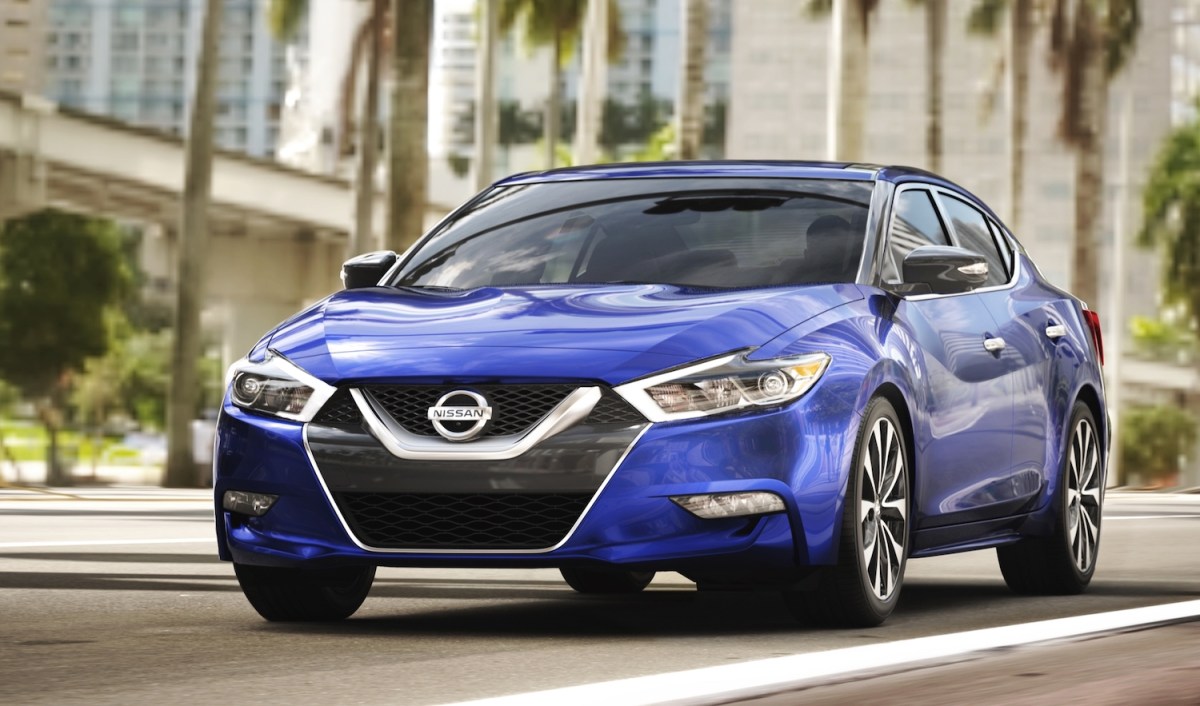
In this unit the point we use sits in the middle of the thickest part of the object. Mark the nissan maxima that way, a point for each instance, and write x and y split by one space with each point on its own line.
784 375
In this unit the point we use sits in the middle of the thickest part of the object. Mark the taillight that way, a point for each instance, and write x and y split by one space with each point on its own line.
1093 324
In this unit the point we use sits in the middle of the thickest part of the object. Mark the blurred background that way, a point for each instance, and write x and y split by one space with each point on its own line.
177 176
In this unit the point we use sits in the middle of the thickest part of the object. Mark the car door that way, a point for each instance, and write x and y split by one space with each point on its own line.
1027 316
962 426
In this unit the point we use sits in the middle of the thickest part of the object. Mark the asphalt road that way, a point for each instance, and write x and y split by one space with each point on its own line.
87 618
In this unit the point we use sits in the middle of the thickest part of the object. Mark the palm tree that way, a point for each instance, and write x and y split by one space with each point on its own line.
486 110
1171 200
689 107
1090 41
848 74
284 17
985 18
193 252
557 24
408 155
935 37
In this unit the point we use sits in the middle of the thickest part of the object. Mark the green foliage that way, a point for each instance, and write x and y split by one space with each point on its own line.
284 16
660 147
460 164
1153 439
132 378
986 16
1162 339
8 398
1171 204
550 22
59 273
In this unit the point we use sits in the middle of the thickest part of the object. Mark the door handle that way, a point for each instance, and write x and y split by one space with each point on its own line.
994 345
1056 331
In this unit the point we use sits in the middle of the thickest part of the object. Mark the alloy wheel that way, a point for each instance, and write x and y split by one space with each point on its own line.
883 513
1083 495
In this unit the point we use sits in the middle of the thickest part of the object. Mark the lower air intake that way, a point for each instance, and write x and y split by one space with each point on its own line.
461 521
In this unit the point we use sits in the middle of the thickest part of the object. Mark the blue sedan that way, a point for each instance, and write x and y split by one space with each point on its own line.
792 375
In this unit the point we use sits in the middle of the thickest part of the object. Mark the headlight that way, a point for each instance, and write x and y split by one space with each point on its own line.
724 384
278 387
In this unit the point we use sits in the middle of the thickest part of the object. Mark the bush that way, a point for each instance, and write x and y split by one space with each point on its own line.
1154 439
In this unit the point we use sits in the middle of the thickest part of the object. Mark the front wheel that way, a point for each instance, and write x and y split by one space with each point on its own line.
606 581
1064 562
862 589
304 595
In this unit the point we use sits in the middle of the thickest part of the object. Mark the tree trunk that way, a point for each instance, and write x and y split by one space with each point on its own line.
408 159
368 140
12 461
690 106
590 101
848 81
48 411
347 130
1089 173
935 32
1020 38
190 266
485 96
554 104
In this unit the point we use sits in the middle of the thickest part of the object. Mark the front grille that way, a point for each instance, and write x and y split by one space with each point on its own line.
339 410
515 408
613 409
461 520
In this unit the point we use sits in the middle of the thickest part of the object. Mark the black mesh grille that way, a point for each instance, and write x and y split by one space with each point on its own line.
515 408
613 409
461 521
340 409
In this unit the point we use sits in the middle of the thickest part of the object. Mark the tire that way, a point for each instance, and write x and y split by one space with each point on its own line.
606 581
862 589
1064 562
301 595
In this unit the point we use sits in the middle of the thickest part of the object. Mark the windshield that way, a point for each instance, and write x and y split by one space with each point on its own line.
693 232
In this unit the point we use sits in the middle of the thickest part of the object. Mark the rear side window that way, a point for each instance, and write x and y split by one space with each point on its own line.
971 229
1002 242
916 223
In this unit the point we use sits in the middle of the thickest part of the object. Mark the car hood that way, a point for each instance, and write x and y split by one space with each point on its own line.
611 333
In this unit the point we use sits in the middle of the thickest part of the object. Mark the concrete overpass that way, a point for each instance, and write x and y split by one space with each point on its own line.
279 234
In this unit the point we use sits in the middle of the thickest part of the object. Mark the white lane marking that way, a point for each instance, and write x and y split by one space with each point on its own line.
767 676
1148 517
102 542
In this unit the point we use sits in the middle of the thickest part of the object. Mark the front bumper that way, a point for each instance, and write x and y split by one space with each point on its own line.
800 452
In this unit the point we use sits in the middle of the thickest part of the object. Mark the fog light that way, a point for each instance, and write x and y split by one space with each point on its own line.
255 504
715 505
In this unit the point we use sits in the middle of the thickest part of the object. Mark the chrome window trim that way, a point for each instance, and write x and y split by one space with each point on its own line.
401 443
935 189
436 552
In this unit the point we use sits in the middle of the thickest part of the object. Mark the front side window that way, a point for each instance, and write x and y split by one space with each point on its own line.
971 229
693 232
914 224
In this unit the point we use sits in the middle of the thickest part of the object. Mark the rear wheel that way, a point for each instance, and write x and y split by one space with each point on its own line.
1064 562
304 595
862 589
606 581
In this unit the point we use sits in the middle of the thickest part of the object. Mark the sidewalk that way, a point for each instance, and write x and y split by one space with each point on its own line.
108 482
33 473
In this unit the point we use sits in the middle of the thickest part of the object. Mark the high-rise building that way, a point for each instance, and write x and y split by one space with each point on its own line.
22 40
779 88
1185 61
135 60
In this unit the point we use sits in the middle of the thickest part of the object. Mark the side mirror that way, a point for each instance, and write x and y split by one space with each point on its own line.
944 269
367 269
